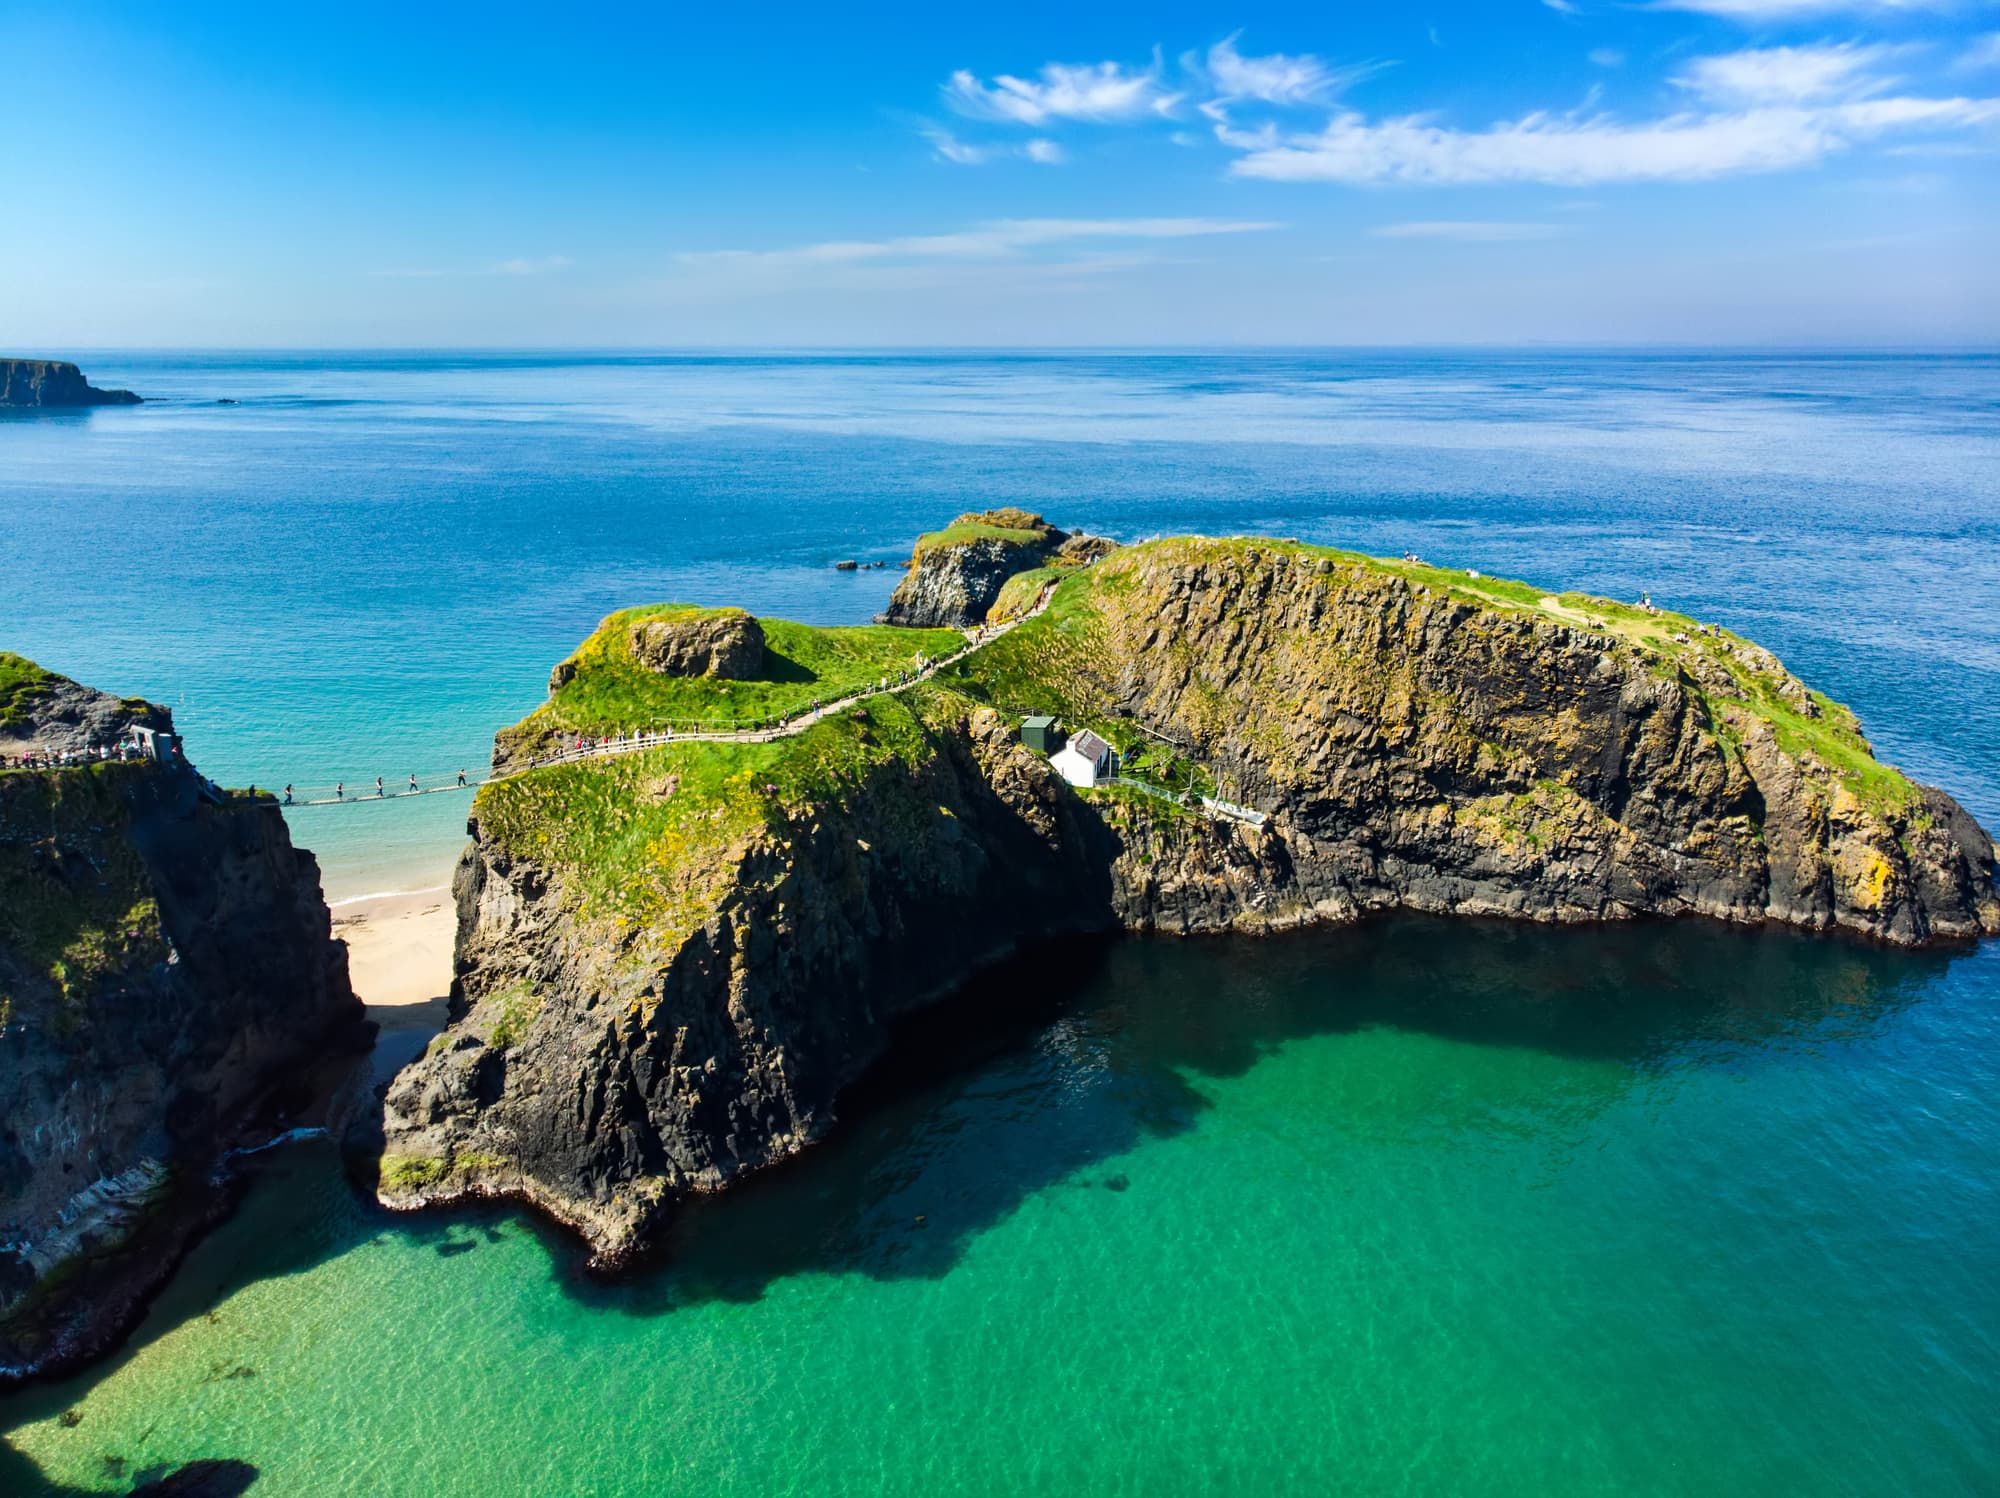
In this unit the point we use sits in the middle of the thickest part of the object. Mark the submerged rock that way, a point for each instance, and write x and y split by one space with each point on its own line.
657 994
52 382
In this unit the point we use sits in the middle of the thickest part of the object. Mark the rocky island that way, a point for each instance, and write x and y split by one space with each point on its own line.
955 575
670 962
52 382
168 979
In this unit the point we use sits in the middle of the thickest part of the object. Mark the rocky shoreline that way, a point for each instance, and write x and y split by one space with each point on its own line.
669 967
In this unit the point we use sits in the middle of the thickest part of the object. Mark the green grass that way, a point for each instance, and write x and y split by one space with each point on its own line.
1018 593
519 1007
1046 665
612 690
21 682
78 906
977 530
652 837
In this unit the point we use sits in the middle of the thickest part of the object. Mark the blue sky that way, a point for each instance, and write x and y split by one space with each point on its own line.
1511 171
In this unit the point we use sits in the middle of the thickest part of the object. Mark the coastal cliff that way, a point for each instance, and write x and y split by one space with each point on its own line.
167 974
52 382
956 575
671 962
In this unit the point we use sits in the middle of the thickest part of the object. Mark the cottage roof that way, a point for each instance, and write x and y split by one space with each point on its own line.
1090 746
1038 722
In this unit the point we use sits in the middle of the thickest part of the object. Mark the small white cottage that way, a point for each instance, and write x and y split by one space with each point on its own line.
1084 760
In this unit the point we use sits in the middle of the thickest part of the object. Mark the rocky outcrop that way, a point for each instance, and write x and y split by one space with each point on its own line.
51 714
623 1038
167 973
956 574
51 382
727 644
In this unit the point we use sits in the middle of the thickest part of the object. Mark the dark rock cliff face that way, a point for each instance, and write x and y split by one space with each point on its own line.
1410 749
956 574
51 382
167 972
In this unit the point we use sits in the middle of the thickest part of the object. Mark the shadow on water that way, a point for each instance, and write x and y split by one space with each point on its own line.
211 1477
1043 1071
1046 1071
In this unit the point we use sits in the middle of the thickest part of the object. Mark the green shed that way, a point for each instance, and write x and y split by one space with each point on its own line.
1043 735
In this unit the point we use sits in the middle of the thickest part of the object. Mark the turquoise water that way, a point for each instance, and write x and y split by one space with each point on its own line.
1416 1208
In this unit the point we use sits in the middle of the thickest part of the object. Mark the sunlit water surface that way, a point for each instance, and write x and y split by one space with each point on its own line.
1415 1208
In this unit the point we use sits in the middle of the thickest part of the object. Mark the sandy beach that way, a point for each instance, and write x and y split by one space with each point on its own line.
399 954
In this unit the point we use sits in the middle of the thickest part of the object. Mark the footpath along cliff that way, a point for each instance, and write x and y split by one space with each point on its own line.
671 962
168 978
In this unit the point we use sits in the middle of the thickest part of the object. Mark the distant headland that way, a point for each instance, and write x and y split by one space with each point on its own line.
53 382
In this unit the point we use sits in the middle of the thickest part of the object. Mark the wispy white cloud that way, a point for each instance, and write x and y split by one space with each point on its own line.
1102 92
532 265
1470 231
1274 78
1562 7
1607 57
520 265
1764 110
965 153
1983 53
1790 75
998 239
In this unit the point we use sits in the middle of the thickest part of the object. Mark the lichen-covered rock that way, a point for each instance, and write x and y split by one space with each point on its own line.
167 965
727 644
52 382
670 966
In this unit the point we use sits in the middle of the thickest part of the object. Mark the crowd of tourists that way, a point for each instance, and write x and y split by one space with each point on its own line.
34 758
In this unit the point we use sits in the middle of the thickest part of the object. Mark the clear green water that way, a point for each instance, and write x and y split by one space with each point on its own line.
1419 1208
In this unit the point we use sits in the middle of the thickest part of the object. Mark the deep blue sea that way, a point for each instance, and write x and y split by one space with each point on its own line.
1415 1208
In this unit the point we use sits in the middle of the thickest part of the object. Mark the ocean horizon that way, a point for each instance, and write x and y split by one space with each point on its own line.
1417 1205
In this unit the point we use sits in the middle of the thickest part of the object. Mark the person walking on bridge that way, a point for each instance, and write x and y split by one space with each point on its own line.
379 792
288 793
340 790
413 785
461 777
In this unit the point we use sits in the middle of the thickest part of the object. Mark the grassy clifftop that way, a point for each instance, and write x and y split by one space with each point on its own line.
644 834
21 682
1046 664
611 689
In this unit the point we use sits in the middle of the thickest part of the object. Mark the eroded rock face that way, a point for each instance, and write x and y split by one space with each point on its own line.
1410 750
953 582
728 645
167 969
52 382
